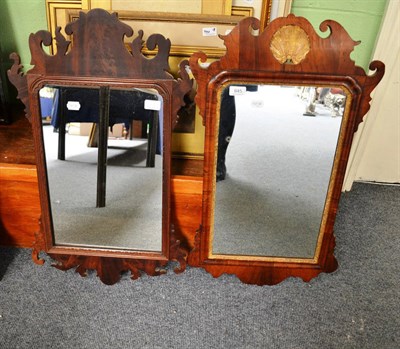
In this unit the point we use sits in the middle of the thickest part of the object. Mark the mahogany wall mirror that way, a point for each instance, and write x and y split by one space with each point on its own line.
287 102
105 208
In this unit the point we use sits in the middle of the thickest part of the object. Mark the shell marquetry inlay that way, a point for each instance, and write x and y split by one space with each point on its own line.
290 44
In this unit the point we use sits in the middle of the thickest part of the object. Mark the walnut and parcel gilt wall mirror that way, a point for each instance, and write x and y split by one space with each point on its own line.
107 207
287 102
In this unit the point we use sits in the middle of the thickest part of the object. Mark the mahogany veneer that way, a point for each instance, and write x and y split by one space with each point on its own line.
287 52
96 56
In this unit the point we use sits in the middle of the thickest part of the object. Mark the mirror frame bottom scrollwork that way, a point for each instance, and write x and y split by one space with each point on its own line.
287 52
98 58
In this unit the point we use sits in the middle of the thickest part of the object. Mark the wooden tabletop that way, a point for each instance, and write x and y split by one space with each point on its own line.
16 141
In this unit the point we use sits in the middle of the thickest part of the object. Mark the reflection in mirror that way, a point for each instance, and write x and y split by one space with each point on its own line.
273 181
131 218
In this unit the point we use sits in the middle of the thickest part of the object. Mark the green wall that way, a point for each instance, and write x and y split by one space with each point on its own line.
360 18
18 19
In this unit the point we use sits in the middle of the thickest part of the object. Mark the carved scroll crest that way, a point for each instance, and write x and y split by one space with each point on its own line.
288 44
97 49
180 87
18 79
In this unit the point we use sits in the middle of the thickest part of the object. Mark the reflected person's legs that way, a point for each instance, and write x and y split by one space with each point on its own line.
311 100
226 127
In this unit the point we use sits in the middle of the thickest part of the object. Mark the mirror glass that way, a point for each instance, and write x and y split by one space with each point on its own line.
276 147
131 217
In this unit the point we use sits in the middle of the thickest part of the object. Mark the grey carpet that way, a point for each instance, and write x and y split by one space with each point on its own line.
355 307
278 168
132 216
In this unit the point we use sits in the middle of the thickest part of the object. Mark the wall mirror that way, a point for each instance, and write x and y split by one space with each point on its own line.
123 210
104 207
278 160
280 110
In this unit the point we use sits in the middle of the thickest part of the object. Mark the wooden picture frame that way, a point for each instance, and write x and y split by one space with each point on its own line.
176 24
59 12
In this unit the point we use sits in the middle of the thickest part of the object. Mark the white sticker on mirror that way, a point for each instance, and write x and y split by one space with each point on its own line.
73 105
212 31
150 104
237 90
